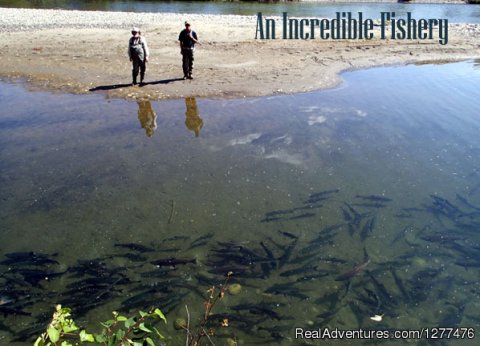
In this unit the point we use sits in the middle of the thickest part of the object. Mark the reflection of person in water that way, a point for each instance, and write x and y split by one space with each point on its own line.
147 117
193 121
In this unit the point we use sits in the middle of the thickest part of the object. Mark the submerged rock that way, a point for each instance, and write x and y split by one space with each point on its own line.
180 323
234 289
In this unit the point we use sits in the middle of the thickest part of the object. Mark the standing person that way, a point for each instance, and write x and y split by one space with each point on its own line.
138 54
187 39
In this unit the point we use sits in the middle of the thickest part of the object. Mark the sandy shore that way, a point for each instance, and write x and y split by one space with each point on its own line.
79 52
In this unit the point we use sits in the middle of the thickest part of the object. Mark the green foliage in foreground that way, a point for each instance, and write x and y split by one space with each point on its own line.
120 331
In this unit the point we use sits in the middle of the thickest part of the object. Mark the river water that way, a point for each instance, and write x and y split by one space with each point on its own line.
455 13
329 207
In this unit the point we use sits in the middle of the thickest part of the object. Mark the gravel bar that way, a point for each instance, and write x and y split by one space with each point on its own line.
16 19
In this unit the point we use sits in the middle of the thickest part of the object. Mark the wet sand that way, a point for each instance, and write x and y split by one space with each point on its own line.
84 52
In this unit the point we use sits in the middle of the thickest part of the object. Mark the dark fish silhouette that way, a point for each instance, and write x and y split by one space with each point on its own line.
279 212
12 311
130 256
442 206
441 237
203 240
287 254
135 247
377 205
381 291
270 219
237 270
357 217
468 264
262 309
466 202
400 285
158 273
346 215
276 215
177 237
312 268
288 234
312 277
374 198
287 290
29 258
302 216
173 261
269 253
320 196
414 209
35 276
404 216
352 272
367 229
94 282
94 267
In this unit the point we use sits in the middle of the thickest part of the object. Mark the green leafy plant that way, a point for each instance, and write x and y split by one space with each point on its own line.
119 331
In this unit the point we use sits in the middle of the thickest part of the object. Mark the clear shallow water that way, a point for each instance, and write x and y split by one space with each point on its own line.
288 192
455 13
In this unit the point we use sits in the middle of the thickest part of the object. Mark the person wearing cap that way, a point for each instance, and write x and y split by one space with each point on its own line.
187 39
138 54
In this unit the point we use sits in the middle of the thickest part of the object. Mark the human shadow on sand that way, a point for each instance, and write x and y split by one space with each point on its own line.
163 81
110 87
118 86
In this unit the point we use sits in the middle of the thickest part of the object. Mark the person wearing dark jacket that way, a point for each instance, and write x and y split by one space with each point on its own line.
187 39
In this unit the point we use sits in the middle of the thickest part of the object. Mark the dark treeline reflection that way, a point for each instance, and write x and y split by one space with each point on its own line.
455 12
105 4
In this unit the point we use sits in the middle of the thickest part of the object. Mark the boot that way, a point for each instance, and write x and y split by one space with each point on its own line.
142 76
134 79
